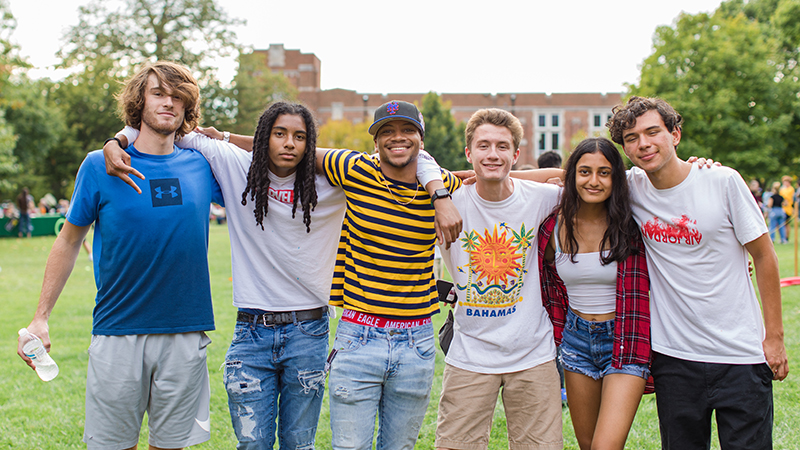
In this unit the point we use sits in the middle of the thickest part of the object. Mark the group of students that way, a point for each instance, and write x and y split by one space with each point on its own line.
535 266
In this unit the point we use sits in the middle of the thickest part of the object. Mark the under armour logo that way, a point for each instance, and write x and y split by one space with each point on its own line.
172 191
166 192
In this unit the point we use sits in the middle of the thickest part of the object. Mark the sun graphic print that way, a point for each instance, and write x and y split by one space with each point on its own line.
496 263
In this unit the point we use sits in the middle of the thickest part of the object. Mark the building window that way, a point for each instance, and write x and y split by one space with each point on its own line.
597 120
541 142
555 120
337 111
555 140
541 120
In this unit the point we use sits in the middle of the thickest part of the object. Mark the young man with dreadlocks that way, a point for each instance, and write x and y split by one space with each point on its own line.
153 303
282 269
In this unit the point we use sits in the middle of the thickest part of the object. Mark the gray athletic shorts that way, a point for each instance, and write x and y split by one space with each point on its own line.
163 374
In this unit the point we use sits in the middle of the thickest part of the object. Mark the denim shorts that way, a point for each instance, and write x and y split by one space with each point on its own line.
586 348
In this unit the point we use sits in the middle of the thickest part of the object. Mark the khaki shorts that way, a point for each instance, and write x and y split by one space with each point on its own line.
163 374
532 401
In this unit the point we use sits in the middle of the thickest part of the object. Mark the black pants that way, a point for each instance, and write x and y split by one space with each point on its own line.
687 392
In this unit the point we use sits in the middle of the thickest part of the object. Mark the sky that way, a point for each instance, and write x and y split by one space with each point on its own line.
418 46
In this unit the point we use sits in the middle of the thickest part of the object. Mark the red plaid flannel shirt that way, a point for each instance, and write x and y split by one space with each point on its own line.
632 322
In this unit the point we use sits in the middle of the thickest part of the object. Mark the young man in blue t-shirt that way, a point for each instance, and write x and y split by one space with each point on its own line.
153 302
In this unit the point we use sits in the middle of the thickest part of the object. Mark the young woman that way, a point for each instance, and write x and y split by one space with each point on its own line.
595 287
777 215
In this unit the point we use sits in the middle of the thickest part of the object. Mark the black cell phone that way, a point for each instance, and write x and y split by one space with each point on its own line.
447 292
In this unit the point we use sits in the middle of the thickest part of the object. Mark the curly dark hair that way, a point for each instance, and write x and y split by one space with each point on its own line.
305 189
622 231
624 116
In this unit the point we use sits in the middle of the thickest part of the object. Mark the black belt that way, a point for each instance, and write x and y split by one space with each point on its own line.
283 317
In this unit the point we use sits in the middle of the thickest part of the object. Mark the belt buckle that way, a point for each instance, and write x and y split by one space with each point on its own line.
264 320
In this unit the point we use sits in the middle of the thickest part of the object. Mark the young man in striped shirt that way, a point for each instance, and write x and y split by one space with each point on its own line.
383 361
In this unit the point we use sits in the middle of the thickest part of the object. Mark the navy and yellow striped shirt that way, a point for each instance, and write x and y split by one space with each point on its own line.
384 265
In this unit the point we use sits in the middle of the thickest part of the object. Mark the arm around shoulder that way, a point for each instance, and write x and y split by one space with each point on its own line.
538 175
118 162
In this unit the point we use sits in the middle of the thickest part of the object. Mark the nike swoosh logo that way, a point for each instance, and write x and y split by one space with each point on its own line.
205 424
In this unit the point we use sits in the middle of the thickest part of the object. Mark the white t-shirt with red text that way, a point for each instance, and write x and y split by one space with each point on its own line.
703 305
282 267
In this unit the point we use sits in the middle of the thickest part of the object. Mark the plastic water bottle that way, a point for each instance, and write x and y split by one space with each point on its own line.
32 346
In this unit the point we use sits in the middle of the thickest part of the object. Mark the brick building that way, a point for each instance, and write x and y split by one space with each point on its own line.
550 121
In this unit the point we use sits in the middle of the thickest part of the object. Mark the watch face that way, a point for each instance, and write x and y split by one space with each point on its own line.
440 193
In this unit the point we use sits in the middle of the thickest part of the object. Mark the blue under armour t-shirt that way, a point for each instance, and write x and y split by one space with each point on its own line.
150 249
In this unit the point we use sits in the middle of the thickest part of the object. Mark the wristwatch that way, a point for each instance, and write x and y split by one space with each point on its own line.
226 136
439 193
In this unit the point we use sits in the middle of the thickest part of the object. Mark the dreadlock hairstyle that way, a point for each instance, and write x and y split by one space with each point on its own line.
305 190
622 231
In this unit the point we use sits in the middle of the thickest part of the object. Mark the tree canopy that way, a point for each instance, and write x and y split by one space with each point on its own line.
129 32
346 134
254 88
52 125
444 140
734 82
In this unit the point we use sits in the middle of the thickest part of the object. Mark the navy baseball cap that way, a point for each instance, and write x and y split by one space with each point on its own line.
395 110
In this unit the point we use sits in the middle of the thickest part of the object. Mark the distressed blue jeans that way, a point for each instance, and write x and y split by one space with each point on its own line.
265 363
383 371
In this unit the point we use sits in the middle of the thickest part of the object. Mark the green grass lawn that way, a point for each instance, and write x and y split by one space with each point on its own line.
38 415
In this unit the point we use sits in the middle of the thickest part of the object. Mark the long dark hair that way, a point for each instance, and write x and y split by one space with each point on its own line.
305 188
622 231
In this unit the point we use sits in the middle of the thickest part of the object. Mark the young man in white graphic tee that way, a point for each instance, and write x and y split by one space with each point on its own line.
713 351
503 336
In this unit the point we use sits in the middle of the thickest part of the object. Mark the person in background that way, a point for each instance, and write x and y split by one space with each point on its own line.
755 189
26 208
549 159
777 214
787 192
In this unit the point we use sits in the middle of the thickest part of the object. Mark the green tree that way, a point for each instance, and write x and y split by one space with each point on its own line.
8 162
87 100
443 138
192 32
8 61
346 134
725 74
110 41
129 32
254 88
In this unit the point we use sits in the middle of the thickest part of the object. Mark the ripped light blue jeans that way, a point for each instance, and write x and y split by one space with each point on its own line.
264 363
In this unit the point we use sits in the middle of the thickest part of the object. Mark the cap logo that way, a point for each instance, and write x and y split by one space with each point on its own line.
392 108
